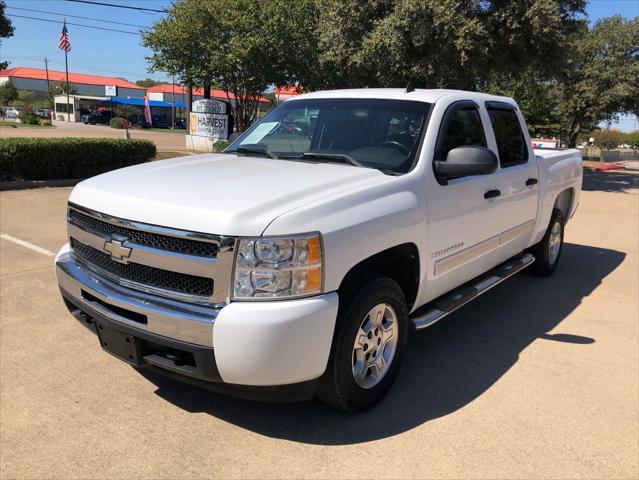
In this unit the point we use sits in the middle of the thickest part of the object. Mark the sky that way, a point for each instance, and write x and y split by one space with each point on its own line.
119 54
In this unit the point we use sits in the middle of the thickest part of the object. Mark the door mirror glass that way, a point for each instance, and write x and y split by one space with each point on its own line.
465 161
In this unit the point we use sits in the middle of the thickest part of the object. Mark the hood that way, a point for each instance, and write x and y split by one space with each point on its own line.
222 194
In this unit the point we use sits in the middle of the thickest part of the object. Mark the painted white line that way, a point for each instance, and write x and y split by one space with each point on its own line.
28 245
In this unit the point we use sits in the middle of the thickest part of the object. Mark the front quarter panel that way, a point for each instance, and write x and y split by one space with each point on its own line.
360 223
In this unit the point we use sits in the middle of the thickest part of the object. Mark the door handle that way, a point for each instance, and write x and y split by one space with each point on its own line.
531 181
492 194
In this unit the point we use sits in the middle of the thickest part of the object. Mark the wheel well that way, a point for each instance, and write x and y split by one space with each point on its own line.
564 202
401 263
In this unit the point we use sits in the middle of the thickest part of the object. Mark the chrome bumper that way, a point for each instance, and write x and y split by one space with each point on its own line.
177 320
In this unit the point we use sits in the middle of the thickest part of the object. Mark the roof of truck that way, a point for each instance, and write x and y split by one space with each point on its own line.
422 95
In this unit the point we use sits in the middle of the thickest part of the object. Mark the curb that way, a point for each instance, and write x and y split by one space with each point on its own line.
66 182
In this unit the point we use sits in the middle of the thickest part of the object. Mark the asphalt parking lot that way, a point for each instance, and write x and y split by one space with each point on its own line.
537 378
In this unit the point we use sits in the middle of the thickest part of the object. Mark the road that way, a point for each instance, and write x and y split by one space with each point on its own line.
163 140
537 378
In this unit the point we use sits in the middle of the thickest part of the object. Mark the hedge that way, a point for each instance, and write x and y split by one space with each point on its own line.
23 158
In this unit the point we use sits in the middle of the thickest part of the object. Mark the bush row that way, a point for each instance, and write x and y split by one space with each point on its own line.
58 158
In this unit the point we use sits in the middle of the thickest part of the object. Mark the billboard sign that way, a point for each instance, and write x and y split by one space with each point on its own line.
110 91
209 118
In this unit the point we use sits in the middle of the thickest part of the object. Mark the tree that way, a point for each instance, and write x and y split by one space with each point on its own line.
440 43
8 93
632 140
242 45
147 83
6 30
600 78
608 139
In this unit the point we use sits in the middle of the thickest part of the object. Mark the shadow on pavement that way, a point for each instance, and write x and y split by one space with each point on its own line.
610 181
447 366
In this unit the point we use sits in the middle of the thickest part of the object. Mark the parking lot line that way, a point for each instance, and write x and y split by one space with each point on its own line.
28 245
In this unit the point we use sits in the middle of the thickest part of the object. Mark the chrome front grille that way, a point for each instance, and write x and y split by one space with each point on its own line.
178 264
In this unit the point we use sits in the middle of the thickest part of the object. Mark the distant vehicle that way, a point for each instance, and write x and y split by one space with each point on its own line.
103 117
160 122
42 112
180 123
11 112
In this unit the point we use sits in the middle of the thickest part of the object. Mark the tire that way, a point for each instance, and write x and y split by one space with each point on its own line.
547 252
339 386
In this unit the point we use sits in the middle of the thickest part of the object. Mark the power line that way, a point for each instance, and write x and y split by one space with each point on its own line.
118 6
76 16
74 24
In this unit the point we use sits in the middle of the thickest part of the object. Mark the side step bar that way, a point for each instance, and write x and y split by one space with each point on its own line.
448 303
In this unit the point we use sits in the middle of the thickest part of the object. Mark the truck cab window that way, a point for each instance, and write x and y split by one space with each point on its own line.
511 143
462 126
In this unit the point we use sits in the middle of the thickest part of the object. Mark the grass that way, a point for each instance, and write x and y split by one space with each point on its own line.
5 123
173 154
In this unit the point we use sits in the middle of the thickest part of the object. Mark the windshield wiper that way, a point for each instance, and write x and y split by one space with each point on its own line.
334 157
259 149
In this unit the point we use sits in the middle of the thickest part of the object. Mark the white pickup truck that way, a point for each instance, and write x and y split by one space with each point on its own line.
297 262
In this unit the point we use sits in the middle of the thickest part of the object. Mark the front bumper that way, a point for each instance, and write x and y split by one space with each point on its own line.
265 350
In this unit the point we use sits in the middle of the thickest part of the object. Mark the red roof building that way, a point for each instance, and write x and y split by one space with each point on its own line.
35 79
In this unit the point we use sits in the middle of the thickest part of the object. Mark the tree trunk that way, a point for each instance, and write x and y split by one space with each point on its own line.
189 102
575 130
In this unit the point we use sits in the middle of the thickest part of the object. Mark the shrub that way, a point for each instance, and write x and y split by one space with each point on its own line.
30 120
118 122
608 139
220 145
45 121
23 158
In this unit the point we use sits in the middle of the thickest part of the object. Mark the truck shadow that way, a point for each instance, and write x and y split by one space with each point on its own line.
447 366
622 182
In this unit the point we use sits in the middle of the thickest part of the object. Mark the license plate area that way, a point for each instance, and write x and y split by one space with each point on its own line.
119 344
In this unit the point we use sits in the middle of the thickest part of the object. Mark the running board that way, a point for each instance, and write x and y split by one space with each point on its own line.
448 303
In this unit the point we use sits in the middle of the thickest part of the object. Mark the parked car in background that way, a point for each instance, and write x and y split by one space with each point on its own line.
298 261
103 117
11 112
43 112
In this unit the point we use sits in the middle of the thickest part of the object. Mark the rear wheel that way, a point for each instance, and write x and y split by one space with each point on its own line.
548 251
371 335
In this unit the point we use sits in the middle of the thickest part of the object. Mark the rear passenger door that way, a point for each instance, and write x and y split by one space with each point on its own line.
517 178
463 224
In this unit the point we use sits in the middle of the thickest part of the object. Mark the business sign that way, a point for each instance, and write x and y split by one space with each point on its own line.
209 118
110 91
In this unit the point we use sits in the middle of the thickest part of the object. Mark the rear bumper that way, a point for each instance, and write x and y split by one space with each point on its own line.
262 350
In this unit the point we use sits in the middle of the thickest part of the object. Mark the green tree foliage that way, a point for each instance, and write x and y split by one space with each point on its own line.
147 83
6 30
632 140
241 45
600 77
608 139
8 93
439 43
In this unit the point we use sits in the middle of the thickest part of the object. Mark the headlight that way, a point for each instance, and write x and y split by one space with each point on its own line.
286 267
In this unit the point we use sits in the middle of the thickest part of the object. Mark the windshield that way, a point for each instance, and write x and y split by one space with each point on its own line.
374 133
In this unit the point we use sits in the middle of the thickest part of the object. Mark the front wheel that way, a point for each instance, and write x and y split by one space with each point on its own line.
548 251
371 336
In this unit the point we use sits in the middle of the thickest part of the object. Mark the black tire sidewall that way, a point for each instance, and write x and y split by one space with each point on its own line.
350 395
542 250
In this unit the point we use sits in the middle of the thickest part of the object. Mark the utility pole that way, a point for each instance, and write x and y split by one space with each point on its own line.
46 67
173 101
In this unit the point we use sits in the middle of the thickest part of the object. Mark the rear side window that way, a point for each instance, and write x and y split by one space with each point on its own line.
462 126
511 143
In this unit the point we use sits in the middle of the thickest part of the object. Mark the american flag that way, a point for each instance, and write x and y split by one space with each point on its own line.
65 39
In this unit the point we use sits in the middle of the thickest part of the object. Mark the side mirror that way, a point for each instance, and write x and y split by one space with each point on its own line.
466 161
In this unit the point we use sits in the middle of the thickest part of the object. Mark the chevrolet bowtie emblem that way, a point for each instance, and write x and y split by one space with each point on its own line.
118 252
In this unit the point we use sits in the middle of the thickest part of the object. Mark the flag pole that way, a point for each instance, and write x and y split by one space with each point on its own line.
66 68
